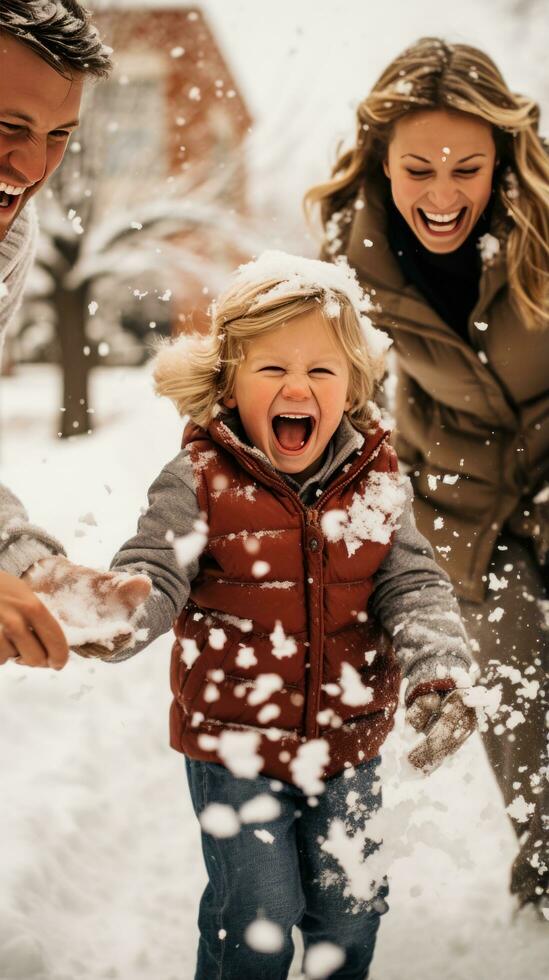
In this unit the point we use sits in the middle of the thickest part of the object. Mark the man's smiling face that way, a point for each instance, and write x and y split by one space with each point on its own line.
291 391
39 109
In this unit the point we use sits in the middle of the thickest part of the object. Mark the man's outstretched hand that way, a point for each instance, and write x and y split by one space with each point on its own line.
446 722
96 609
29 633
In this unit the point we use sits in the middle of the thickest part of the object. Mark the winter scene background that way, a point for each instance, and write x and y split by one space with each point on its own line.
99 848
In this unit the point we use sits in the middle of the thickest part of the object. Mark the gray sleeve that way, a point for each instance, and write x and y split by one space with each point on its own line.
172 509
21 543
17 252
414 601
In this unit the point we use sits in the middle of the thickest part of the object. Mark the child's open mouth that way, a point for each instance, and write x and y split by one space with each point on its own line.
442 224
293 432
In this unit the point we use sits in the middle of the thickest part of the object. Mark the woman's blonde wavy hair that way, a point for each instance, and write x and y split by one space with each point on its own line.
435 75
197 372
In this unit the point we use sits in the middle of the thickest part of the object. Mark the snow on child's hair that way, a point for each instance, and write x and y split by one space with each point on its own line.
295 274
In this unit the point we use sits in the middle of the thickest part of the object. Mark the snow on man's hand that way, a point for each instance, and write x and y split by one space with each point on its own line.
96 610
446 721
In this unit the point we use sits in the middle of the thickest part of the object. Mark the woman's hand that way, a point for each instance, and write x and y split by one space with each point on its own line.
29 633
447 723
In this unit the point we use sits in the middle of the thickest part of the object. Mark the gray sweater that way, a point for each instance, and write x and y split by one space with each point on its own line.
412 598
21 543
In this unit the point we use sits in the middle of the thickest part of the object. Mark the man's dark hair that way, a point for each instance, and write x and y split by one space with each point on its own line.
60 32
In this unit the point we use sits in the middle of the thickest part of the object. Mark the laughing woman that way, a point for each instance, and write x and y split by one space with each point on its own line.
442 207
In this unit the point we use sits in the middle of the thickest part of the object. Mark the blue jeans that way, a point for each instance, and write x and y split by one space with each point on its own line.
290 881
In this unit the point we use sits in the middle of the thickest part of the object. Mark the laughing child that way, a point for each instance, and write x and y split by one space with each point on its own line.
281 543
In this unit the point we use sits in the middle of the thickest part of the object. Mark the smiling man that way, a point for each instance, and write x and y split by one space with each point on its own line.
48 50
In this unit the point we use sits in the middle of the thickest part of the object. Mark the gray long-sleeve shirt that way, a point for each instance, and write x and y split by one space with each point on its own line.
412 598
21 543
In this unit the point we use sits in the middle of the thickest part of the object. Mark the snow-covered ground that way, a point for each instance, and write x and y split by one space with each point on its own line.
99 849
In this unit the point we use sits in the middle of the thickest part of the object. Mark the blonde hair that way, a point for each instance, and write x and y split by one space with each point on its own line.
197 372
434 75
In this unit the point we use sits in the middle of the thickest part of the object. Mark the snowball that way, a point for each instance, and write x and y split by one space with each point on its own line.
264 936
520 810
188 547
322 960
83 616
514 719
496 615
260 809
332 524
246 657
264 686
190 652
308 765
217 638
354 692
483 697
268 713
260 569
239 752
88 519
219 820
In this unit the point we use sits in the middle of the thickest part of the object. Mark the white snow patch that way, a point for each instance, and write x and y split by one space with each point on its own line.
372 515
264 836
308 764
354 692
520 810
283 646
489 247
496 615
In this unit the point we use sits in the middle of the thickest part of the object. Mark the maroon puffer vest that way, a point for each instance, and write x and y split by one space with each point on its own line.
274 639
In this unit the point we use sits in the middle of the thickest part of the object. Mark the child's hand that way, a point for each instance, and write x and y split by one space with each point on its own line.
446 722
95 609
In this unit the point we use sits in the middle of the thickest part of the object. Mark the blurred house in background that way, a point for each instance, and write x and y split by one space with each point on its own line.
148 211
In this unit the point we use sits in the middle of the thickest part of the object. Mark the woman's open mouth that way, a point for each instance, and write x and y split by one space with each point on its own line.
442 224
293 431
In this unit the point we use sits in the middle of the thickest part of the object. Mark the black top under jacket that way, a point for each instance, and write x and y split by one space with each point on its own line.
448 282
